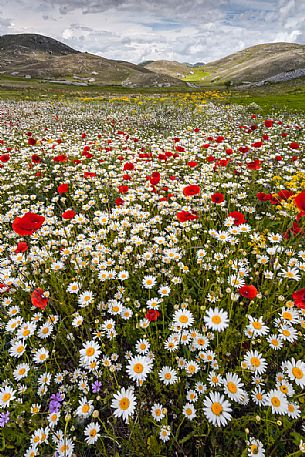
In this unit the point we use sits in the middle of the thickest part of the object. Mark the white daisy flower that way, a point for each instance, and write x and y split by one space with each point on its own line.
216 319
189 411
277 401
216 409
296 371
92 432
7 394
157 412
124 403
168 375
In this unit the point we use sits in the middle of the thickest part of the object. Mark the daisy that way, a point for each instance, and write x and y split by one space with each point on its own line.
65 447
184 318
149 282
216 409
275 342
258 396
189 411
255 448
164 291
7 394
142 346
257 326
21 371
73 287
53 419
255 362
288 333
41 355
296 371
92 432
216 319
85 408
124 403
215 379
277 401
168 375
123 275
157 412
192 395
191 368
293 410
17 349
165 432
139 367
45 330
77 321
232 386
85 298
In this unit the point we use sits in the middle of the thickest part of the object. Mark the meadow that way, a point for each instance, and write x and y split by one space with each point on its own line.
152 277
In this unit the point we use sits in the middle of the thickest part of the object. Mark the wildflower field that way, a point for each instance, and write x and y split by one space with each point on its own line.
152 279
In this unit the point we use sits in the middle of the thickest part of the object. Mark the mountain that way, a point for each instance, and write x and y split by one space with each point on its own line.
168 67
263 62
38 56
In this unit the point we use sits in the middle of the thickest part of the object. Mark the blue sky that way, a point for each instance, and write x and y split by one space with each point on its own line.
137 30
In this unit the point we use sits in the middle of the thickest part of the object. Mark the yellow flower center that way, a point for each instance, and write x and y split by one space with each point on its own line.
90 351
138 368
297 373
167 376
85 408
232 387
93 433
20 349
287 315
216 408
254 449
255 361
216 320
188 411
124 403
257 325
183 319
275 401
6 397
286 332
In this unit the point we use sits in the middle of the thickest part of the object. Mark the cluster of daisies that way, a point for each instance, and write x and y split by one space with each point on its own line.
151 277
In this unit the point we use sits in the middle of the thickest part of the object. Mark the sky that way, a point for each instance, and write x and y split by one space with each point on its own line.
138 30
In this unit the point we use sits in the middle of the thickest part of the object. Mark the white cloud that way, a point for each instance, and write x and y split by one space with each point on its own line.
136 30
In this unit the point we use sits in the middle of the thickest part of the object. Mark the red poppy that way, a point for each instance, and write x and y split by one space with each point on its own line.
152 315
154 178
89 174
38 299
217 197
255 165
268 123
119 201
32 141
248 292
5 158
192 164
294 145
123 189
22 246
63 188
299 298
69 214
238 217
190 190
128 166
35 158
60 158
27 224
180 148
184 216
299 201
278 158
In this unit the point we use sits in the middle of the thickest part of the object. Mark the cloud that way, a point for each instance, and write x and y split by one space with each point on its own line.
136 30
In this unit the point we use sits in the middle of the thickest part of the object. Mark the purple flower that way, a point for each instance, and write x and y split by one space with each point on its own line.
4 418
55 403
96 386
